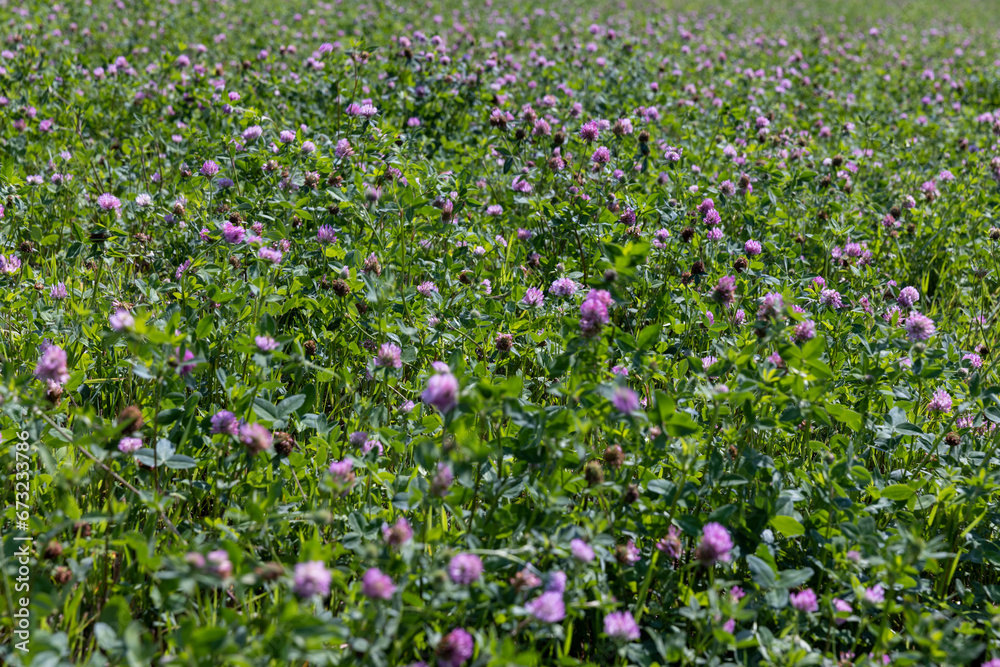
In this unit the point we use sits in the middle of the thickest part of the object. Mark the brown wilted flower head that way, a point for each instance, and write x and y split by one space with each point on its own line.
525 580
504 342
53 550
372 265
593 473
284 443
54 394
269 571
614 457
130 419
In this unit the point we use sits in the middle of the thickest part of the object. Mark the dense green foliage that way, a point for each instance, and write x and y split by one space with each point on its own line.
505 335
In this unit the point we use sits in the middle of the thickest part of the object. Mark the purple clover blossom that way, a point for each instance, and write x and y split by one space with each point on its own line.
225 422
252 133
671 544
342 472
533 297
109 202
185 265
804 601
266 343
129 445
919 327
594 312
907 297
716 545
628 553
556 582
625 400
397 534
547 607
601 156
311 579
377 586
465 568
343 149
9 266
521 185
52 366
389 356
365 110
841 607
875 594
218 563
326 234
232 234
752 248
803 331
255 438
974 360
725 291
184 368
940 402
771 306
563 287
581 550
209 169
121 320
441 391
831 299
621 626
455 648
373 444
270 254
442 480
590 131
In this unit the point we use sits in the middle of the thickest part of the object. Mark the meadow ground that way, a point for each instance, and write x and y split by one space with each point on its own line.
499 333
